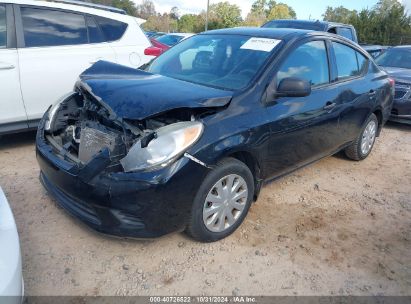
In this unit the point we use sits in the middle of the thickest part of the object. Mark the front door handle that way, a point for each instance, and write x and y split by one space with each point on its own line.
6 66
329 106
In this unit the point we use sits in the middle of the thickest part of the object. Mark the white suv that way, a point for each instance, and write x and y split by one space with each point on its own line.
44 46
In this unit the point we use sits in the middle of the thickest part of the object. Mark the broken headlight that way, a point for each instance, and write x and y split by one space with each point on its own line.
53 111
167 144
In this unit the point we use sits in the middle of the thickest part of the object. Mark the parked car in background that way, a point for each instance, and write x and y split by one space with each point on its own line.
345 30
11 279
157 34
163 47
374 50
172 39
144 153
44 46
397 62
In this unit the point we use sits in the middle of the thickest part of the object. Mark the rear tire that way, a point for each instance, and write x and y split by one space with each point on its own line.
364 143
222 201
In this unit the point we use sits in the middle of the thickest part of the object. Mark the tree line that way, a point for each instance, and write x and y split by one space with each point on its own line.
386 23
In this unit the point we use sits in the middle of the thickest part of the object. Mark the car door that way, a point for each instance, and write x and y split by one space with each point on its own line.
12 112
54 47
357 89
304 129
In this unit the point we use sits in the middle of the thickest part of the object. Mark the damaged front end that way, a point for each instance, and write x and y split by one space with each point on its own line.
112 152
81 127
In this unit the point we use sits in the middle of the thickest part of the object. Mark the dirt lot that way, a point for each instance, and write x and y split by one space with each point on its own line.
336 227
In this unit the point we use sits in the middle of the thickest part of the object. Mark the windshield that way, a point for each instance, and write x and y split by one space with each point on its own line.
169 40
224 61
398 58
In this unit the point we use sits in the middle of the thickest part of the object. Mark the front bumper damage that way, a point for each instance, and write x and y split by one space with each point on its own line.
138 205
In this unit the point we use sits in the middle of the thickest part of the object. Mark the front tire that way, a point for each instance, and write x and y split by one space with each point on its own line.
222 201
364 143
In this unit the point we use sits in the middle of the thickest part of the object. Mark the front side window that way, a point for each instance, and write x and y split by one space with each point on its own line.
309 61
46 27
112 29
3 27
350 63
223 61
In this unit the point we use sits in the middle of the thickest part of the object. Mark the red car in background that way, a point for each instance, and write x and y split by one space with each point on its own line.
159 45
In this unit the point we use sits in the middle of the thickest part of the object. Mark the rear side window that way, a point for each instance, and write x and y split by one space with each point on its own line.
94 32
46 27
309 61
345 32
3 27
112 29
350 63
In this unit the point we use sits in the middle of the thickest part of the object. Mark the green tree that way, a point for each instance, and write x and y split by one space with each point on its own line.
263 10
223 15
191 23
146 9
386 23
281 11
339 14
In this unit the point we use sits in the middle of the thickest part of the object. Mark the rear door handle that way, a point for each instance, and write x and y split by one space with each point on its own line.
6 66
329 106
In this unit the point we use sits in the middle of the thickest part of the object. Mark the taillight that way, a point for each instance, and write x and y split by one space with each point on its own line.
153 51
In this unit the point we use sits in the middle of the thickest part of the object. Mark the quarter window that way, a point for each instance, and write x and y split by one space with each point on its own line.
45 27
112 29
350 63
309 61
3 27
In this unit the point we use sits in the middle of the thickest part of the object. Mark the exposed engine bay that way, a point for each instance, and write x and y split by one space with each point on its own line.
82 126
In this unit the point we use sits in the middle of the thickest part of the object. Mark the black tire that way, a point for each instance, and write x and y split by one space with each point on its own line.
196 227
354 151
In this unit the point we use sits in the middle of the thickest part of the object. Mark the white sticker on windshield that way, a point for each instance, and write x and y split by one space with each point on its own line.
260 44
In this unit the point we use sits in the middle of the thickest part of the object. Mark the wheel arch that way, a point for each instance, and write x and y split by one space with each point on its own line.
378 112
253 164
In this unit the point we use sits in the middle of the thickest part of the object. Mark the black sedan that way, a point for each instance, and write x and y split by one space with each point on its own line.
397 63
188 143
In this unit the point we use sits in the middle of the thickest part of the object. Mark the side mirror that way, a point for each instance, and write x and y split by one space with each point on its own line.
293 87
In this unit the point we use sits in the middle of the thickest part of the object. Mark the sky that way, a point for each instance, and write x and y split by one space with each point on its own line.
305 9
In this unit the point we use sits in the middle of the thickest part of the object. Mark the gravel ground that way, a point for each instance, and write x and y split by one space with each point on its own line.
334 228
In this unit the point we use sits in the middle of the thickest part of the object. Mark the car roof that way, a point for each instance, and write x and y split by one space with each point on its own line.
407 47
77 7
274 33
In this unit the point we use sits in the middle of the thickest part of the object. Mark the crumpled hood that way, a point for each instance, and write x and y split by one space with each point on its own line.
136 94
399 73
